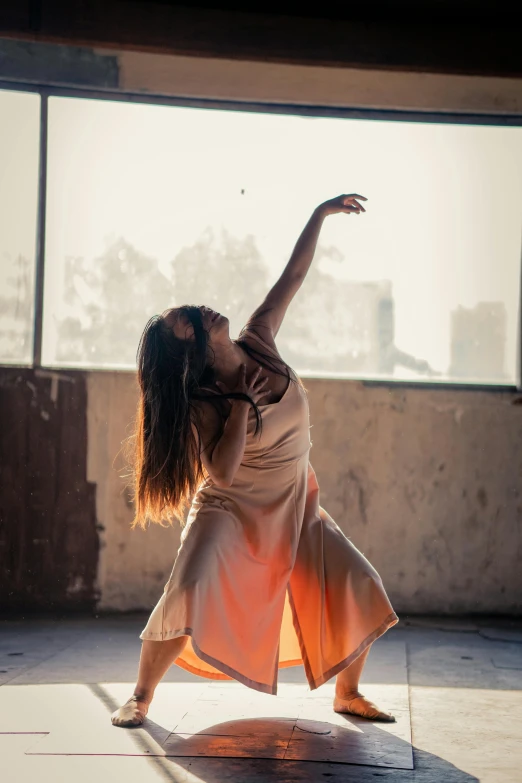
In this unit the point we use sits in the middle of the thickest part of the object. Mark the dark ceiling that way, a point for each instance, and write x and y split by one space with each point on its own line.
447 36
492 11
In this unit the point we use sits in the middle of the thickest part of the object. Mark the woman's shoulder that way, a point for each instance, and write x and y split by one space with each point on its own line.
256 330
258 336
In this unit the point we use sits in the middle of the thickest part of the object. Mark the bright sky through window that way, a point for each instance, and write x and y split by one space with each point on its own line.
425 285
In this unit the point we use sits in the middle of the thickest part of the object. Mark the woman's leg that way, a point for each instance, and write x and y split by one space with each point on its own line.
348 699
155 660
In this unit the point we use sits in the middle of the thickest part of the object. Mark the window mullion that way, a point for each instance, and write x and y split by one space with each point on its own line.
40 231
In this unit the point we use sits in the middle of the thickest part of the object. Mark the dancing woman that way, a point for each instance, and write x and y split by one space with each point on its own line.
264 578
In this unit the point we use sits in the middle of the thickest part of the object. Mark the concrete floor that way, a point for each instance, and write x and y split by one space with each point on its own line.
465 690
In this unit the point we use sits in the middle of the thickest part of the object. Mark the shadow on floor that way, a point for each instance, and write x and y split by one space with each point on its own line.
205 768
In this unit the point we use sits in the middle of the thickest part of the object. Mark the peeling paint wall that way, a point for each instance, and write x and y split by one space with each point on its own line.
48 537
425 482
29 61
134 565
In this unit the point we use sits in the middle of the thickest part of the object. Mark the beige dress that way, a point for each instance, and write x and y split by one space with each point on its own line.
264 578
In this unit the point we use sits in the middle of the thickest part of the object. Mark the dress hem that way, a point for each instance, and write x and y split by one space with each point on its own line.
389 622
228 673
225 672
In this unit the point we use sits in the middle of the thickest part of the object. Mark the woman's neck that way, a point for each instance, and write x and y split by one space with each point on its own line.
228 358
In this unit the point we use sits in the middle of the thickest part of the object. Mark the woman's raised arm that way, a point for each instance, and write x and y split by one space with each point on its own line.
272 310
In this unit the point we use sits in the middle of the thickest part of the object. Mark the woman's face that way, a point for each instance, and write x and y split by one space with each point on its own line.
179 318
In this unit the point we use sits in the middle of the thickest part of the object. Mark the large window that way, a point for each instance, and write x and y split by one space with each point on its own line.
19 148
152 206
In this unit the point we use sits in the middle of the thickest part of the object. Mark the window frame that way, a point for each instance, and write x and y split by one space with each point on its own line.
391 115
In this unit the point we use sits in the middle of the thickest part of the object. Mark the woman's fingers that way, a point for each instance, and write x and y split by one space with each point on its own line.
258 388
258 394
355 195
345 203
352 204
253 378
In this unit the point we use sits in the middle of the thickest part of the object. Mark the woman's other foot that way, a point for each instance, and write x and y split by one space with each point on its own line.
356 704
132 713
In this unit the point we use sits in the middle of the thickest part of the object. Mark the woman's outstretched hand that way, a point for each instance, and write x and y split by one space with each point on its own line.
272 310
253 387
347 203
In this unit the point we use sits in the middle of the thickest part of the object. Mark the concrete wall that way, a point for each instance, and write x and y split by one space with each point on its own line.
426 483
134 564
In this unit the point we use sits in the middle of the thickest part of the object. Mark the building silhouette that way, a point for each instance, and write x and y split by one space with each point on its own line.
478 342
346 326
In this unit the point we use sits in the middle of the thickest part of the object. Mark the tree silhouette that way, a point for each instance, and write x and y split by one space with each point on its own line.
16 311
332 325
222 272
112 298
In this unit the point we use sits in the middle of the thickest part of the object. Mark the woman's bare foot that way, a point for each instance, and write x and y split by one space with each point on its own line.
356 704
132 713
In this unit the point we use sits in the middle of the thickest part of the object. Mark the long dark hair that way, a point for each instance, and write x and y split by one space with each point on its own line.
165 448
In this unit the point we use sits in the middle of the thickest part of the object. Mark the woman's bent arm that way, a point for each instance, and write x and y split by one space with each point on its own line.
226 456
222 458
